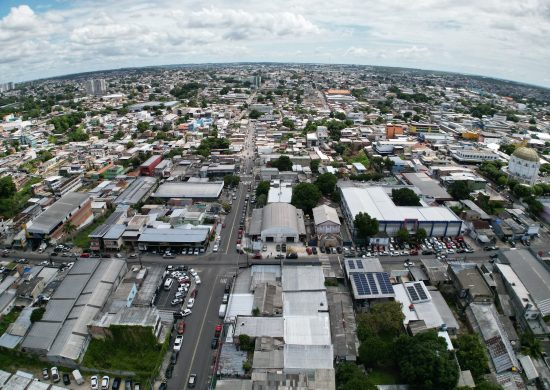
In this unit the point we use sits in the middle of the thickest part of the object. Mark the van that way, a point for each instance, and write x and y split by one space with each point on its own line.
78 377
168 284
221 312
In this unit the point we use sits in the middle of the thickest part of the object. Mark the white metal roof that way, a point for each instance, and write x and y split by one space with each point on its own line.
308 330
324 213
379 205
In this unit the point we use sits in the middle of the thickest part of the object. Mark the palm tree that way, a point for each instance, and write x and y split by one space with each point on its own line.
69 228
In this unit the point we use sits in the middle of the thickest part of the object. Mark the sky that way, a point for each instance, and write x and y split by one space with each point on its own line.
508 39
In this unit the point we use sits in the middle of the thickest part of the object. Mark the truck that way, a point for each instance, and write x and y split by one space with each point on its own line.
78 377
223 309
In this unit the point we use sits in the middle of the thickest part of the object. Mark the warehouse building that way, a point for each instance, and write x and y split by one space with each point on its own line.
197 191
62 334
278 222
437 221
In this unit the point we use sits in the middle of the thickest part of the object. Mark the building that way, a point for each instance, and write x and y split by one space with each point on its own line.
73 207
148 167
524 165
62 334
179 237
437 221
279 192
278 222
326 220
207 191
217 170
470 283
428 187
474 156
368 281
96 87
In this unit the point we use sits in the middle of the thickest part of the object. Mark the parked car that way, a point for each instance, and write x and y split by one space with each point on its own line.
176 301
214 343
225 298
55 375
45 373
116 383
128 382
314 250
178 342
94 382
105 383
174 357
181 327
190 303
67 379
167 373
192 380
292 255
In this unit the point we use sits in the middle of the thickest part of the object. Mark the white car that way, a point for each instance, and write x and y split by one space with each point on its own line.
186 312
215 249
94 383
55 375
105 383
178 342
197 280
193 273
190 303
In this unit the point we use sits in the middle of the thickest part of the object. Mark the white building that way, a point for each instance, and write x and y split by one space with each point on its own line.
474 155
279 192
524 165
326 220
278 222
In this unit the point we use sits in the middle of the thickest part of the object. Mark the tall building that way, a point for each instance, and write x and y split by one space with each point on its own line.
524 165
96 87
5 87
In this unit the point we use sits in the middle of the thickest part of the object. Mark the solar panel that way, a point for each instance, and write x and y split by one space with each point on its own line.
372 284
351 264
420 291
360 264
412 293
384 282
361 284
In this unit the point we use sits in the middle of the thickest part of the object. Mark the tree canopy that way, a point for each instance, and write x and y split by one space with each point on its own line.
365 225
326 183
263 188
305 196
231 180
7 187
459 190
283 163
471 355
405 197
426 362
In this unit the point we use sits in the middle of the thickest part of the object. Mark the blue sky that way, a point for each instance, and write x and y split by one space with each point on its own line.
504 39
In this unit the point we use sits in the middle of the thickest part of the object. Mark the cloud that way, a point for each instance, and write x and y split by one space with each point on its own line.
467 36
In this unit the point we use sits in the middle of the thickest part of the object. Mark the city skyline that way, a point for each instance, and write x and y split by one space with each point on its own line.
505 41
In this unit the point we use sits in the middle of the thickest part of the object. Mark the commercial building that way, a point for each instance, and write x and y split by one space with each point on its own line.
74 207
474 156
179 237
196 191
368 281
148 167
217 170
428 187
139 190
524 165
62 333
326 220
278 222
279 192
437 221
96 87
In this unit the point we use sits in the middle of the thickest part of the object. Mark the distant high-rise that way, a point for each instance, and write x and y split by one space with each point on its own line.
96 87
6 87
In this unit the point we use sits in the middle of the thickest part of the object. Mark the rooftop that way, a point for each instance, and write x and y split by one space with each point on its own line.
46 222
210 190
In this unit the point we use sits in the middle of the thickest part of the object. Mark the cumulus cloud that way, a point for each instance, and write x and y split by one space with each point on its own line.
468 36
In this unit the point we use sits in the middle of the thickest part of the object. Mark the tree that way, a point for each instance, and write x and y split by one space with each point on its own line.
402 235
263 188
507 148
130 145
426 363
287 122
421 234
7 187
305 196
314 165
375 351
254 114
261 200
405 197
384 320
37 314
486 385
245 343
522 191
530 345
471 355
283 163
459 190
365 225
142 126
326 183
69 228
350 377
231 180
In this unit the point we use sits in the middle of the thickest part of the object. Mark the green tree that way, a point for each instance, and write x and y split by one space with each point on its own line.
261 200
231 180
375 351
507 148
254 114
405 197
305 196
350 377
530 345
365 225
522 191
471 355
287 122
326 183
459 190
142 126
426 363
421 234
37 314
314 165
69 228
283 163
384 320
402 235
7 187
263 188
486 385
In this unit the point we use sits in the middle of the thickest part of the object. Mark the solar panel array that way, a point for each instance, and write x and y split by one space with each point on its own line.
417 293
372 283
355 264
351 264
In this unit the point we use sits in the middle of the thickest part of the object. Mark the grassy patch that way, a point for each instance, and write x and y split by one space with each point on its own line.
131 348
383 377
14 204
9 318
11 360
81 238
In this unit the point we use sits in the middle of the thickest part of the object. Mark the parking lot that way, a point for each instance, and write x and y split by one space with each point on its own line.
166 296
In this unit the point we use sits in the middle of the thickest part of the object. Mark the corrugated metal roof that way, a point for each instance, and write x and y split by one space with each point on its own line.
324 213
186 236
239 304
304 303
308 330
57 213
189 190
303 278
308 357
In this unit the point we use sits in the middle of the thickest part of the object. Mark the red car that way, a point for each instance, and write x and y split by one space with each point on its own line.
181 327
85 255
309 251
218 330
238 241
223 225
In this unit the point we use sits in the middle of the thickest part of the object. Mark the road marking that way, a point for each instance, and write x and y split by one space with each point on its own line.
223 280
200 333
